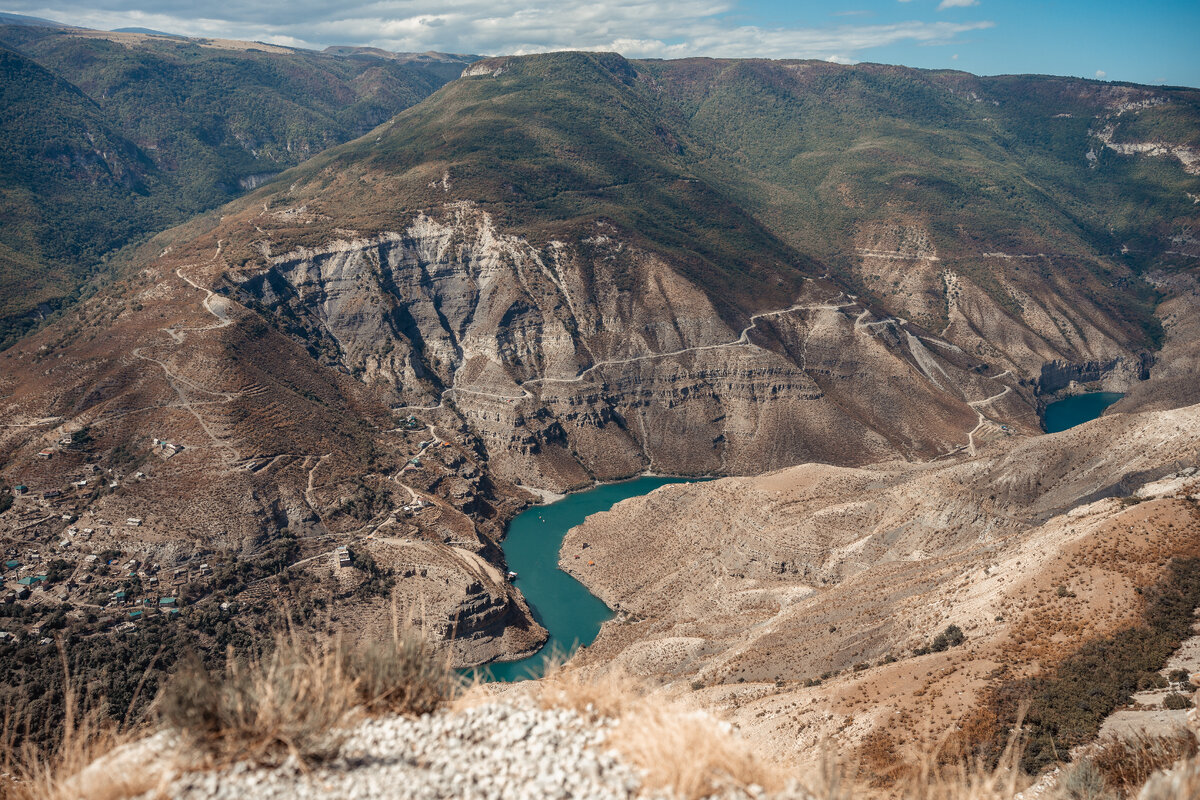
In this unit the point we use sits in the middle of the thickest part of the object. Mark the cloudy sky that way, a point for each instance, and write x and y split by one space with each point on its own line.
1147 42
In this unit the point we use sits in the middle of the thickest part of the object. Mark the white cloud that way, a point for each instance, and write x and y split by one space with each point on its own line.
636 28
956 4
1101 74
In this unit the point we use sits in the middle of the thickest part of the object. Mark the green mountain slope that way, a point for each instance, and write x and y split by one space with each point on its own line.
198 125
754 172
822 152
71 186
550 146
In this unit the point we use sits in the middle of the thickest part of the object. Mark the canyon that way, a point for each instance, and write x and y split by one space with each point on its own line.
325 401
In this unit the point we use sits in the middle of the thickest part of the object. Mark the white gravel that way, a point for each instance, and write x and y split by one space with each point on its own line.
494 751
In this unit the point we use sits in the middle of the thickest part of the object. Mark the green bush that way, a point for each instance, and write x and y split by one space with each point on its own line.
951 637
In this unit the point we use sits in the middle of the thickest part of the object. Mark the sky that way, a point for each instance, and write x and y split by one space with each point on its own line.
1143 42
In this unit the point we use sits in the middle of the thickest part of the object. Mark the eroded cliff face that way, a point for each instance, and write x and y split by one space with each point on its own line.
1048 330
595 359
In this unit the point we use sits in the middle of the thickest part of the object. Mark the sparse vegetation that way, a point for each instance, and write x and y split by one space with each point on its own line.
953 636
1176 702
679 749
1067 705
1127 763
295 699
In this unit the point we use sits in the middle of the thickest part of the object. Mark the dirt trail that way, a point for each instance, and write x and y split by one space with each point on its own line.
742 340
218 307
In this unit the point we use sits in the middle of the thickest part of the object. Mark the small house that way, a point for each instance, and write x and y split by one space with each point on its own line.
166 602
20 489
45 453
134 522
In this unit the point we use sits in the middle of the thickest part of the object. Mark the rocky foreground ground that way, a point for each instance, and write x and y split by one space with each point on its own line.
491 751
510 747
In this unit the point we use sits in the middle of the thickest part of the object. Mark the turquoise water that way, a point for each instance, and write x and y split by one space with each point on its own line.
562 605
1077 410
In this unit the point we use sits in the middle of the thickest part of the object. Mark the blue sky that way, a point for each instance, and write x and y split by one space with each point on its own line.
1152 42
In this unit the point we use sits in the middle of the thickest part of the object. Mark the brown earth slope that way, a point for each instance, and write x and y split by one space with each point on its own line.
751 587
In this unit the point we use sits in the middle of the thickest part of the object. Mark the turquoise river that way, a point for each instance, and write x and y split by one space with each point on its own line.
573 615
1081 408
570 613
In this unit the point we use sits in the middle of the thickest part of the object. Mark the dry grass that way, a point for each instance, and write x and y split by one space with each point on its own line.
68 770
929 780
687 752
297 700
1127 763
1182 782
288 702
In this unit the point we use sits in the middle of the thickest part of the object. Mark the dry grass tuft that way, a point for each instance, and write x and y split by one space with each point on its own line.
1127 763
1182 782
686 752
69 770
401 676
288 702
965 782
296 700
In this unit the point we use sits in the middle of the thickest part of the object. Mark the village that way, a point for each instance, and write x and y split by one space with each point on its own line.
64 559
60 561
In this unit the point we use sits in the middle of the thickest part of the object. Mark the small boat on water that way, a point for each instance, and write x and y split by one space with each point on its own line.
512 576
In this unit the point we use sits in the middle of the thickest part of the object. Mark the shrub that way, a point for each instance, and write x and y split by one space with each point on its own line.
1179 675
1127 763
294 700
951 637
1151 680
1084 781
1176 702
1066 706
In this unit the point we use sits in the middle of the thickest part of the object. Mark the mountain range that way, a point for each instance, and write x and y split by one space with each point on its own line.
110 136
439 287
